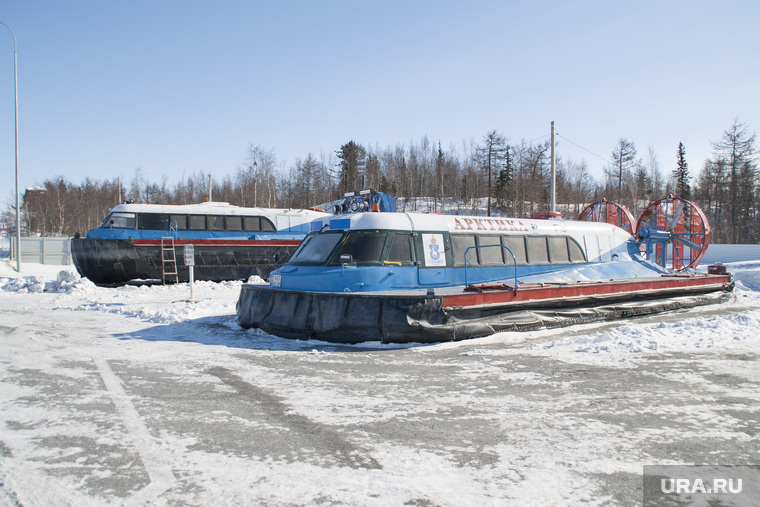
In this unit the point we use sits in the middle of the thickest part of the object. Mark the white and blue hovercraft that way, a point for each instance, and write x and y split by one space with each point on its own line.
411 277
146 242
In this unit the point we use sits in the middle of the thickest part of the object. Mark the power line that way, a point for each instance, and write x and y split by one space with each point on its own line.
584 149
538 138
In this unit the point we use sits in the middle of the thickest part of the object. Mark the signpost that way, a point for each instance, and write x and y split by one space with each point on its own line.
190 263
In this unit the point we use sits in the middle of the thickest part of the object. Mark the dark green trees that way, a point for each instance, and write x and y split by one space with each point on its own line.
728 187
353 160
504 191
490 158
681 175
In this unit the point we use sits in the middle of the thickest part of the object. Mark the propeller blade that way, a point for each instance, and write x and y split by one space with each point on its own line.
690 244
676 215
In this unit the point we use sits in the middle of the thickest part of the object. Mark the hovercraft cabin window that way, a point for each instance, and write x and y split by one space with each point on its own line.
196 222
315 248
516 245
554 250
374 247
178 222
157 221
215 222
576 252
558 250
459 245
362 246
121 221
534 250
537 251
234 223
258 224
490 251
401 248
152 221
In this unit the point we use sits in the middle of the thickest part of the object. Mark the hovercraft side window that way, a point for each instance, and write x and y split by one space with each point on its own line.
215 222
119 220
196 222
315 248
576 252
401 249
364 247
537 251
267 225
558 252
258 224
178 222
516 245
152 221
533 250
251 224
459 245
490 251
234 223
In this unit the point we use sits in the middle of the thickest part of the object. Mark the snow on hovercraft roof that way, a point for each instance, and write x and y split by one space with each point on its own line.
458 223
211 208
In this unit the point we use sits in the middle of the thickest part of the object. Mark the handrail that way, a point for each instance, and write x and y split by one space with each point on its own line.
466 261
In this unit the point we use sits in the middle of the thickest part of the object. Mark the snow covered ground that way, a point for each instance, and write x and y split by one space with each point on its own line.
140 396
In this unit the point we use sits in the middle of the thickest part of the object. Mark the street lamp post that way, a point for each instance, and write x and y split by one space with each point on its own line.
15 100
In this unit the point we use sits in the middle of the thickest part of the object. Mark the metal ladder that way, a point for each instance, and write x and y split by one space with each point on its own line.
168 259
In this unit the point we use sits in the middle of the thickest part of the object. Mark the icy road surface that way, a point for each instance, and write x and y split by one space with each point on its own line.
137 396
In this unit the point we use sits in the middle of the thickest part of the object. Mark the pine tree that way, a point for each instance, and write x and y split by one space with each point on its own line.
440 166
623 160
352 163
490 154
735 150
504 191
681 175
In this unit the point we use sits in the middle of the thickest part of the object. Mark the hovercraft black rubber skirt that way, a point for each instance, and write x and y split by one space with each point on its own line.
398 318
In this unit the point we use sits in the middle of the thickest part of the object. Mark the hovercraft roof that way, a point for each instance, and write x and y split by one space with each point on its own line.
213 208
458 223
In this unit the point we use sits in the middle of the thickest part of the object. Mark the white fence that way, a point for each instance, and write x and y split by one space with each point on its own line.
57 251
43 250
730 253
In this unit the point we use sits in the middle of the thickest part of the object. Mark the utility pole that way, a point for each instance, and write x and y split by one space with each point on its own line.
553 189
15 95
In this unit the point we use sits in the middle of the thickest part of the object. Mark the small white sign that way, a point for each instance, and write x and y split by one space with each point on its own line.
435 253
275 280
189 255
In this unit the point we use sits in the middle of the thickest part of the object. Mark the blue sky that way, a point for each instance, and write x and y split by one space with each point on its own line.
181 87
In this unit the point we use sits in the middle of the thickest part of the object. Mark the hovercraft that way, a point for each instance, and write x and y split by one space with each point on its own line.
411 277
147 241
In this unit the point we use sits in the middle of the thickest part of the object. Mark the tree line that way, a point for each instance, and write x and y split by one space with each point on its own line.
512 177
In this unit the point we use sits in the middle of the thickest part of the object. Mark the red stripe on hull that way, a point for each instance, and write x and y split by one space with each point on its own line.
584 289
220 242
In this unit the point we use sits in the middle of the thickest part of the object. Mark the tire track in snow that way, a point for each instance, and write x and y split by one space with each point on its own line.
155 461
321 436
